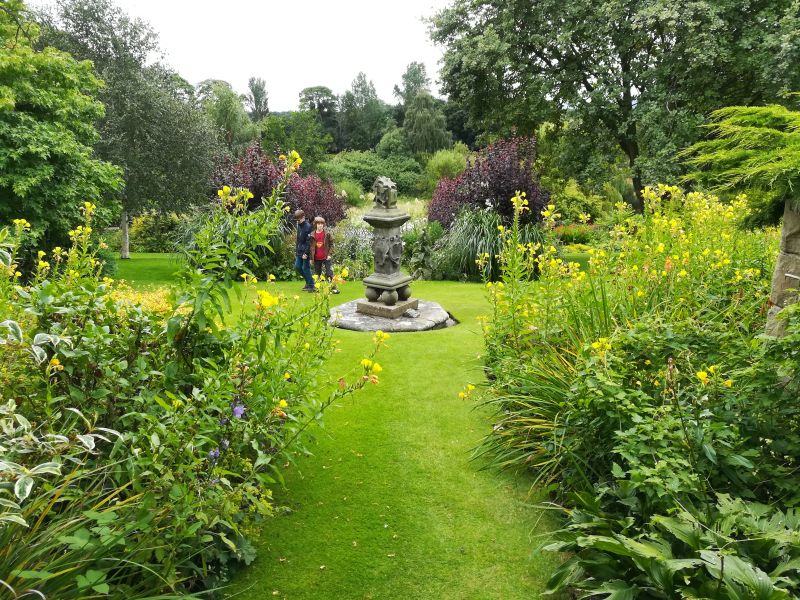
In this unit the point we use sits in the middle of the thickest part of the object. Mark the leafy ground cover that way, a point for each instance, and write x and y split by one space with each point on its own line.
390 504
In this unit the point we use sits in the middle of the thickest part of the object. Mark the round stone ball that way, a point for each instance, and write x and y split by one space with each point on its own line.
404 293
372 294
389 298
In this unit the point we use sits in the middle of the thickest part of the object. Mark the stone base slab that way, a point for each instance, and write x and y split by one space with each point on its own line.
427 315
376 309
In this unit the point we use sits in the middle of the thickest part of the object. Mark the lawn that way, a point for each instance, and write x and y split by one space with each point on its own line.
390 504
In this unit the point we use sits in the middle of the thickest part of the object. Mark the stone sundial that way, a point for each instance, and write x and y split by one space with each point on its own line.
387 290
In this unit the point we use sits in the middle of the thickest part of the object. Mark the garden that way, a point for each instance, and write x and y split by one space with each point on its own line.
614 232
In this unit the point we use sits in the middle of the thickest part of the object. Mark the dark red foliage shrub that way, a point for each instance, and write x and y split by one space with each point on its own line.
260 173
491 180
315 197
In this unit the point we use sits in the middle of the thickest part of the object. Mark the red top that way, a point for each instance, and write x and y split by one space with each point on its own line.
319 240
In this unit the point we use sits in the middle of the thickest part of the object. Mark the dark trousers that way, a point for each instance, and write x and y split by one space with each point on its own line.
303 267
319 265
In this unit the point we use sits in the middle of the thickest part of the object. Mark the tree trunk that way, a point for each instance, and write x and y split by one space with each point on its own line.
786 277
124 252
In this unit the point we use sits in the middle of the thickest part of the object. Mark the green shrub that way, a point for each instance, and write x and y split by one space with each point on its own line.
573 203
154 232
351 191
445 163
475 234
365 167
393 143
419 248
207 415
575 233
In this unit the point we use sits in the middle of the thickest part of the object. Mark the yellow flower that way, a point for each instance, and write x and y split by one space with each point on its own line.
43 264
462 395
287 376
366 363
271 277
376 368
345 273
265 299
282 157
283 404
727 383
470 387
703 377
40 254
22 224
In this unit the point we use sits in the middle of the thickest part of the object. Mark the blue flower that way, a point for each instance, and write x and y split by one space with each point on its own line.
238 410
214 454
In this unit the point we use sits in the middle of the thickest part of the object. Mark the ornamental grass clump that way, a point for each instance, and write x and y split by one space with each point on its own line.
142 437
642 393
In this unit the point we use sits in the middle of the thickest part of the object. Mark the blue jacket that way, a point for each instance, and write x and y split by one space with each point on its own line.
303 232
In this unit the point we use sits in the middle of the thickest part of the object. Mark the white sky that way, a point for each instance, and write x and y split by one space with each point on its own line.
293 45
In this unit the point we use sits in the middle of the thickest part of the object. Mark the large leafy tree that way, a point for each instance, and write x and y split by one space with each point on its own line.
226 110
362 115
323 103
298 130
48 107
257 98
642 73
414 80
425 127
757 149
152 128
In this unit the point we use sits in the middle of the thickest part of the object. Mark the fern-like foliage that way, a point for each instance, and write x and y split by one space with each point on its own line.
751 148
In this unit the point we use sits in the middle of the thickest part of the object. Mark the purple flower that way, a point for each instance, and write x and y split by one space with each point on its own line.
214 454
238 410
223 421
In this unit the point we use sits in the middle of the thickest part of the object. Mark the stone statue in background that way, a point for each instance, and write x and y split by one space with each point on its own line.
388 293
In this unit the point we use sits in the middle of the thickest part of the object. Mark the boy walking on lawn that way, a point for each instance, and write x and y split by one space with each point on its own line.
320 249
302 257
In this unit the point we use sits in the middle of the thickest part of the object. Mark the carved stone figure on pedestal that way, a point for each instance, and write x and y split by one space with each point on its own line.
387 285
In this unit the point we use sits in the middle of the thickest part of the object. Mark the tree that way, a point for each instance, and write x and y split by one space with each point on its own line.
225 109
300 131
257 98
758 149
48 106
152 128
321 101
362 115
414 81
642 73
425 128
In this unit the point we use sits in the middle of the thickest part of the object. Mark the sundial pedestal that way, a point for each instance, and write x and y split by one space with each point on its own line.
387 290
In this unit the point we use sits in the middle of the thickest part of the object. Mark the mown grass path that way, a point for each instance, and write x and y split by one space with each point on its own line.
391 505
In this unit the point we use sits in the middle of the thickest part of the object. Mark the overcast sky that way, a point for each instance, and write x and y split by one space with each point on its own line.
293 45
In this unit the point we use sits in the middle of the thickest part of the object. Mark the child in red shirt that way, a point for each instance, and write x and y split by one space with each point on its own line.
320 249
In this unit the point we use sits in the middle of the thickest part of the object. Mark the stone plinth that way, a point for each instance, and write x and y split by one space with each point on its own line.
387 286
427 316
377 309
